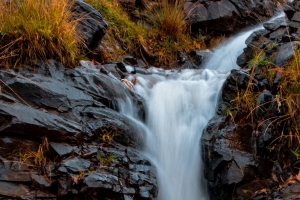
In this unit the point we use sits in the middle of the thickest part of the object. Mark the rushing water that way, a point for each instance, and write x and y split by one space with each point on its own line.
179 105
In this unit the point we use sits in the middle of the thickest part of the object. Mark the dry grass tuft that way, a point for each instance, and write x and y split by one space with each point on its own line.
169 17
289 90
35 158
37 29
157 38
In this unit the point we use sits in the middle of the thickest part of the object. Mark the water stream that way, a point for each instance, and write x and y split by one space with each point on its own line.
179 105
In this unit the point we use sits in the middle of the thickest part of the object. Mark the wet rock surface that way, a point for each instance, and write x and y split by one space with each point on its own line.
62 136
227 15
242 154
91 26
278 40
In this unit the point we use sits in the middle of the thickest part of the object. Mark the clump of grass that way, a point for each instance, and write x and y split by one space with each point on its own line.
245 101
289 90
121 29
108 136
157 39
38 157
37 29
259 59
105 161
169 17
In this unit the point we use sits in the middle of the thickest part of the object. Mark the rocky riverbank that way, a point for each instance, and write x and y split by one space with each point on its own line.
250 152
63 134
63 137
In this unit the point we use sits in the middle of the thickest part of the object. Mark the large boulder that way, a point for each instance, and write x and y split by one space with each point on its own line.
235 147
278 40
91 26
227 16
67 134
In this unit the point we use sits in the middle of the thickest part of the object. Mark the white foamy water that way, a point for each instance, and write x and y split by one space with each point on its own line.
178 110
179 105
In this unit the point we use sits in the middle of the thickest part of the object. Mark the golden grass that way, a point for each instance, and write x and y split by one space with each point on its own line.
38 157
289 90
162 33
170 18
121 30
37 29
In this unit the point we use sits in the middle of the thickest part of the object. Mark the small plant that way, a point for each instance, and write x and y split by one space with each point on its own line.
245 101
108 136
272 45
259 59
104 161
201 38
78 177
39 158
297 154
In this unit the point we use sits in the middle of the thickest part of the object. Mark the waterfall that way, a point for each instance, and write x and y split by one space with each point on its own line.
178 110
179 105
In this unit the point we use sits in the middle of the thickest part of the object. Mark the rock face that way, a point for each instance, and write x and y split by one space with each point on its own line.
62 136
277 41
91 26
242 154
227 16
233 162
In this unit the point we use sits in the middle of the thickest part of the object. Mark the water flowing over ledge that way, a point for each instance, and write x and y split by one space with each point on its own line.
179 105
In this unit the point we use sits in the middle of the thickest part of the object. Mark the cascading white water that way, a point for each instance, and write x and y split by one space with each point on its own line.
179 106
178 110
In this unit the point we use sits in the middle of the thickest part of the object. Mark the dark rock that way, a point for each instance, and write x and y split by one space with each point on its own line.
76 165
128 197
25 120
264 104
49 68
112 69
89 150
237 81
72 110
21 191
40 181
296 17
140 168
129 60
294 26
47 92
289 11
277 35
285 52
227 15
291 192
275 24
7 173
242 60
228 156
91 26
100 182
62 149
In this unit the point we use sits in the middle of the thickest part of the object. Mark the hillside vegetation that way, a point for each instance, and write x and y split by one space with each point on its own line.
35 29
155 34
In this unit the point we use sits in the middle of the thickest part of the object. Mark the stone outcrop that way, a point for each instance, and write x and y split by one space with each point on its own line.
227 16
242 154
234 147
91 25
277 40
62 136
